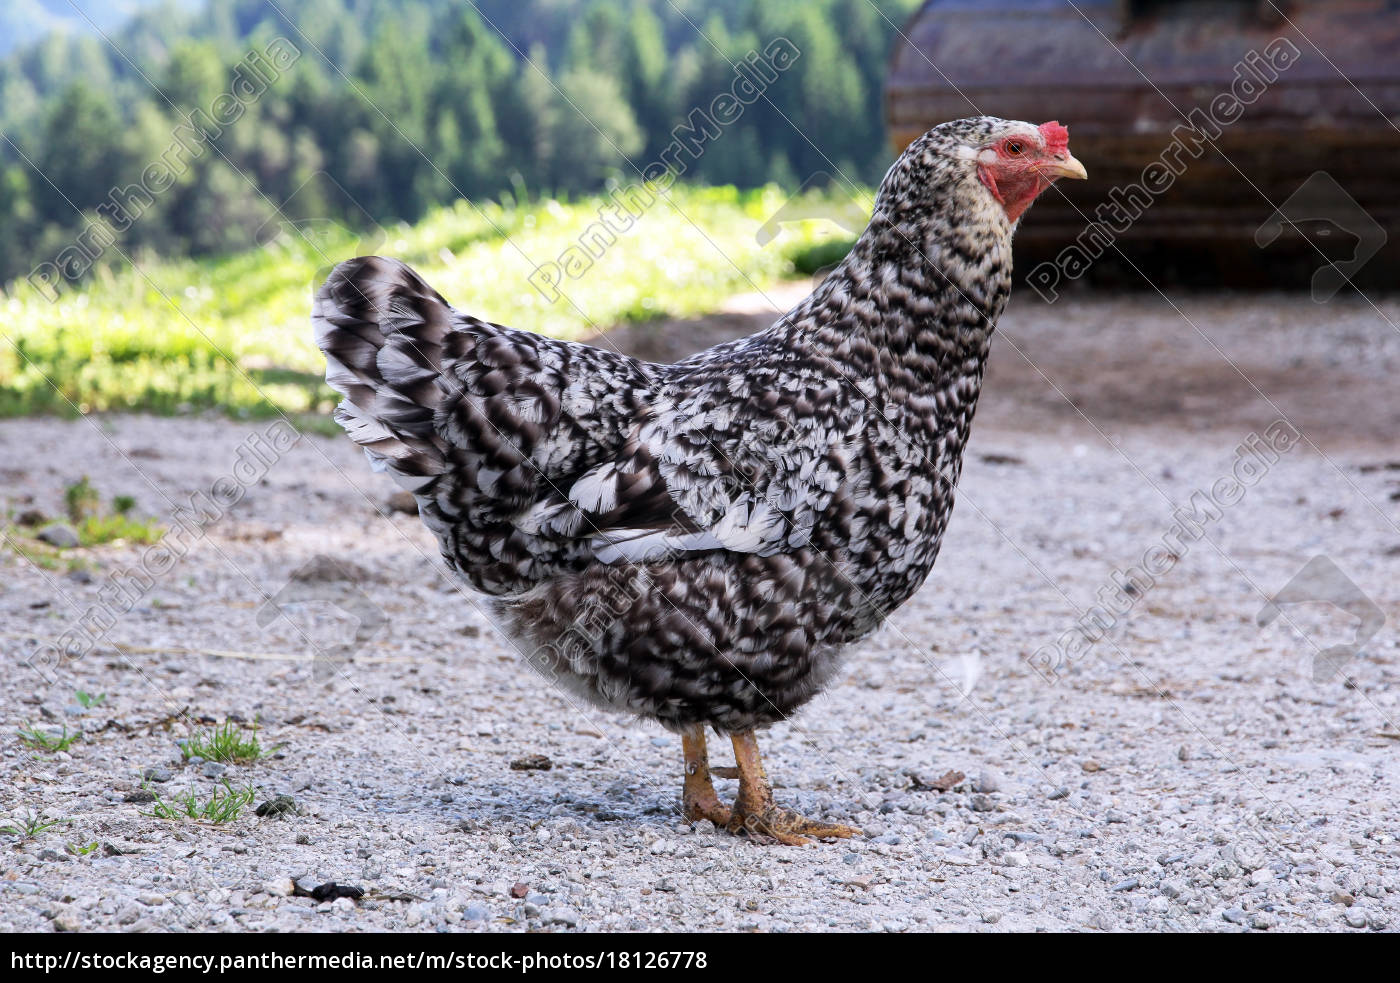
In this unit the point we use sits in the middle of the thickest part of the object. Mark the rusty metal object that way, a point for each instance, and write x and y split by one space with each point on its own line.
1121 75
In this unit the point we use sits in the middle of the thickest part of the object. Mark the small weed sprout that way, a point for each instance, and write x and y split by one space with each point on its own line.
221 806
40 740
32 825
80 499
228 743
87 701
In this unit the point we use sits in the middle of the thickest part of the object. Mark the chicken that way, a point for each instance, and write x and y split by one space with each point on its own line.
700 544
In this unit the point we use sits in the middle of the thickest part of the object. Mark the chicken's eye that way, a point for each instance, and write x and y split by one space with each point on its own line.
1014 148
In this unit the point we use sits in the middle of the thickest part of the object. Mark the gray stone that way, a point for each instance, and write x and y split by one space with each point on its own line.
60 535
987 782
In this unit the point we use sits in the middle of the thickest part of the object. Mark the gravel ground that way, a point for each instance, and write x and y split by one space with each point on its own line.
1191 770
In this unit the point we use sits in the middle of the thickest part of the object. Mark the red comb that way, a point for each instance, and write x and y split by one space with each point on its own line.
1056 137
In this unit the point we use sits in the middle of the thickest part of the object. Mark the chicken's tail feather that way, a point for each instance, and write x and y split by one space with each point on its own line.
382 329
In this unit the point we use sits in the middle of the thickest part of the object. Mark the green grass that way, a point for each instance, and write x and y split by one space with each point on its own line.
42 555
80 499
175 335
93 525
32 825
94 528
228 743
97 530
40 740
220 807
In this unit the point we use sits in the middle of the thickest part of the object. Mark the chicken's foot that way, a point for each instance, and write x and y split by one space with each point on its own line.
755 813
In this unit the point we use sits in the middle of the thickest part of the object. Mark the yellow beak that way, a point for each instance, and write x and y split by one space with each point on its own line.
1065 166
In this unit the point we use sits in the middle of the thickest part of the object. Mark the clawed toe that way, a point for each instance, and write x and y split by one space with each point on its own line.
712 809
787 827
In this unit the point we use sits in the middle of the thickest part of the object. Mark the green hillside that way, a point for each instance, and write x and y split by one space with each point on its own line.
233 331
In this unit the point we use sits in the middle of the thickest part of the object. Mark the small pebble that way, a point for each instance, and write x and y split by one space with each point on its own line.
532 762
987 782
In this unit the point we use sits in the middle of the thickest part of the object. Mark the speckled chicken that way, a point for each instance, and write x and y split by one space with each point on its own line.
701 543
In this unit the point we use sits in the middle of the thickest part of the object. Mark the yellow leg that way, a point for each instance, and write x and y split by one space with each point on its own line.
698 796
754 811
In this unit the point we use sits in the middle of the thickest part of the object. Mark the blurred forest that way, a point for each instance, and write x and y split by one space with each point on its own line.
407 104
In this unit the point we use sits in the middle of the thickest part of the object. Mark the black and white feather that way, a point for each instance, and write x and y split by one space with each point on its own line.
696 543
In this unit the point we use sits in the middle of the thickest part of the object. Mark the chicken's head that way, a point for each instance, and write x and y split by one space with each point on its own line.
1022 160
1000 165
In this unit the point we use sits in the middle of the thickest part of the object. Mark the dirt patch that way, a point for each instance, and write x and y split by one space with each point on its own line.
1188 771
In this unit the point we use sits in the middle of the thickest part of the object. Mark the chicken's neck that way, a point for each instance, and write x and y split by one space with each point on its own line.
911 310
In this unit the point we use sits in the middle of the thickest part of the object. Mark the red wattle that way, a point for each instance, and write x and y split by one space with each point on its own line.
985 173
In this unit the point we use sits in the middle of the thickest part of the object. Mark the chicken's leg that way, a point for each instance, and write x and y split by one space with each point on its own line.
754 811
699 798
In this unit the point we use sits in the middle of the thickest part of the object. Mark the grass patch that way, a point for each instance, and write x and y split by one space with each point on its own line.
222 806
319 424
80 500
228 743
32 825
233 332
819 256
96 527
40 740
40 554
98 530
